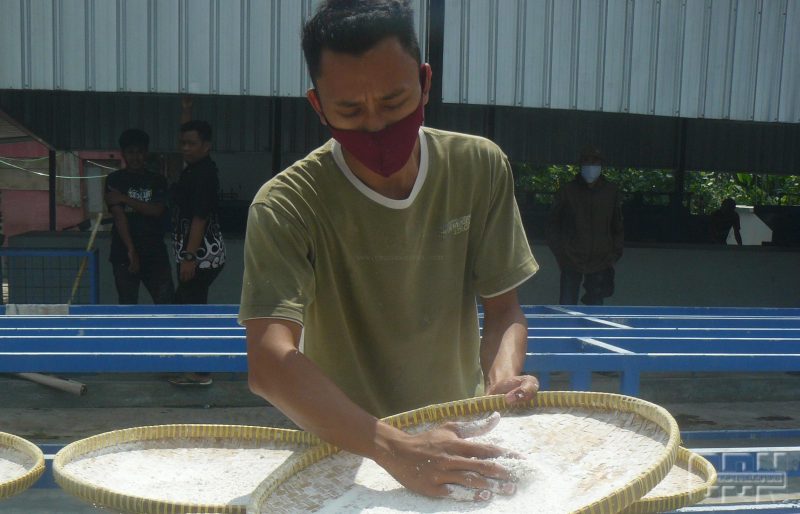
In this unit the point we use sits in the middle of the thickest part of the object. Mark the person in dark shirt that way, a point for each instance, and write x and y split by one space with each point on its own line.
198 244
136 199
722 221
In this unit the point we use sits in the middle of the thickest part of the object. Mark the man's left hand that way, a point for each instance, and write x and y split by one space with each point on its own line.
187 270
517 389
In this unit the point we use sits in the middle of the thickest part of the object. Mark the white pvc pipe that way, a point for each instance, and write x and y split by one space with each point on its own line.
70 386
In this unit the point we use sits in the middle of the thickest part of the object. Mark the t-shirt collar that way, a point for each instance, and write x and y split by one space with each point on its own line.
375 196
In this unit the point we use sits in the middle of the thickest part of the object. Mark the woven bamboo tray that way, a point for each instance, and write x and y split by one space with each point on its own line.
572 428
687 483
21 452
120 496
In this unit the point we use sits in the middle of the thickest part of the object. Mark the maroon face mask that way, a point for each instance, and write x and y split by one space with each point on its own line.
387 150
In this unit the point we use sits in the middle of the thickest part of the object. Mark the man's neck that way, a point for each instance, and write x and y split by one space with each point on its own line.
193 163
398 186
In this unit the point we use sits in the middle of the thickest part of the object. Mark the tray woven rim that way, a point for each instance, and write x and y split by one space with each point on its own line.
134 504
669 502
17 485
616 501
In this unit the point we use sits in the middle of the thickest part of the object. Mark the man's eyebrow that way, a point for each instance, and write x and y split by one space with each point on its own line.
355 103
347 103
394 94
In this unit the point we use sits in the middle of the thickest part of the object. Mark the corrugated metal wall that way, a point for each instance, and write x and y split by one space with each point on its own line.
227 47
723 59
93 121
246 123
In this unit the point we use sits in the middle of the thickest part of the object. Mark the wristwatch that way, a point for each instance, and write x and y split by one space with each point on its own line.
187 256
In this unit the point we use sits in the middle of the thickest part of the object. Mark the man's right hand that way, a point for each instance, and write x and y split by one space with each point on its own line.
440 462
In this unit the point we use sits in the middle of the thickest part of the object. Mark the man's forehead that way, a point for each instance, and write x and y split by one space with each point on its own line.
190 134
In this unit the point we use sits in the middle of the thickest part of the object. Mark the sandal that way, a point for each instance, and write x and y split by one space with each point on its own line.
191 379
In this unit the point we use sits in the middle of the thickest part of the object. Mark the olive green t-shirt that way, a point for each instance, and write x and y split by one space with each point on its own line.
386 289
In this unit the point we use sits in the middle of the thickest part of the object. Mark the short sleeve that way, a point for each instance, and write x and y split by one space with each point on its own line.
112 183
278 277
504 259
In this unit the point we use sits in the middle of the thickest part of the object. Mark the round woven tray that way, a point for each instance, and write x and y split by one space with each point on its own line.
687 483
574 427
93 490
24 453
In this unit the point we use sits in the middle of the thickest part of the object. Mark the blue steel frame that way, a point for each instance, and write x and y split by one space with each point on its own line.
92 267
629 340
632 340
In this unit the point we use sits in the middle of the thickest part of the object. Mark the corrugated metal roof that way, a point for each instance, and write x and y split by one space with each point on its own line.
722 59
10 131
228 47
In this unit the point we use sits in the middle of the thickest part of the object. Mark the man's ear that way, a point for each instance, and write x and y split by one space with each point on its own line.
427 74
313 99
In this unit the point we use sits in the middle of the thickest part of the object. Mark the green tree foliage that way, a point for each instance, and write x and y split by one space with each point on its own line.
704 190
708 189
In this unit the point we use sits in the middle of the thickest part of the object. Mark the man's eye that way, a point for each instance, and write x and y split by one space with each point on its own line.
392 107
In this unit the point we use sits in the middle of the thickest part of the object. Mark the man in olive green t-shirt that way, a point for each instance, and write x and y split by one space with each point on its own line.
375 247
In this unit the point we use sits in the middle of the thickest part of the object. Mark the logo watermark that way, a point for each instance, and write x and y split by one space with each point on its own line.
754 476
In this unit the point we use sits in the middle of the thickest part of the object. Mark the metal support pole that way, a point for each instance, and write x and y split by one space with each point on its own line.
277 132
94 274
52 189
435 57
680 169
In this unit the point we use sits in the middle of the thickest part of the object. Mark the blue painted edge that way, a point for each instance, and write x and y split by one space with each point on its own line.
583 310
750 435
789 507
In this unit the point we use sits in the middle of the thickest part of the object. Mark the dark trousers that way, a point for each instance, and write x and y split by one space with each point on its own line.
155 274
195 291
597 285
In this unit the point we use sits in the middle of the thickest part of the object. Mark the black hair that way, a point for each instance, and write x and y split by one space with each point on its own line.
355 26
202 128
134 137
590 153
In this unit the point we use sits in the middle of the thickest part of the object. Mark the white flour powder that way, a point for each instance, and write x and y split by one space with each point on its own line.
204 471
571 460
13 465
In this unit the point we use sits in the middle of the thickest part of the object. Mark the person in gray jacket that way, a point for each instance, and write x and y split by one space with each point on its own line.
585 232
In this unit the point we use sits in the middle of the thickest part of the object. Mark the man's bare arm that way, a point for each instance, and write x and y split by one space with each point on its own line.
429 463
121 223
503 348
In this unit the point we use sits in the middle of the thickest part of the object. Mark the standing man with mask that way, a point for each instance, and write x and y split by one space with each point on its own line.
376 246
586 233
199 247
